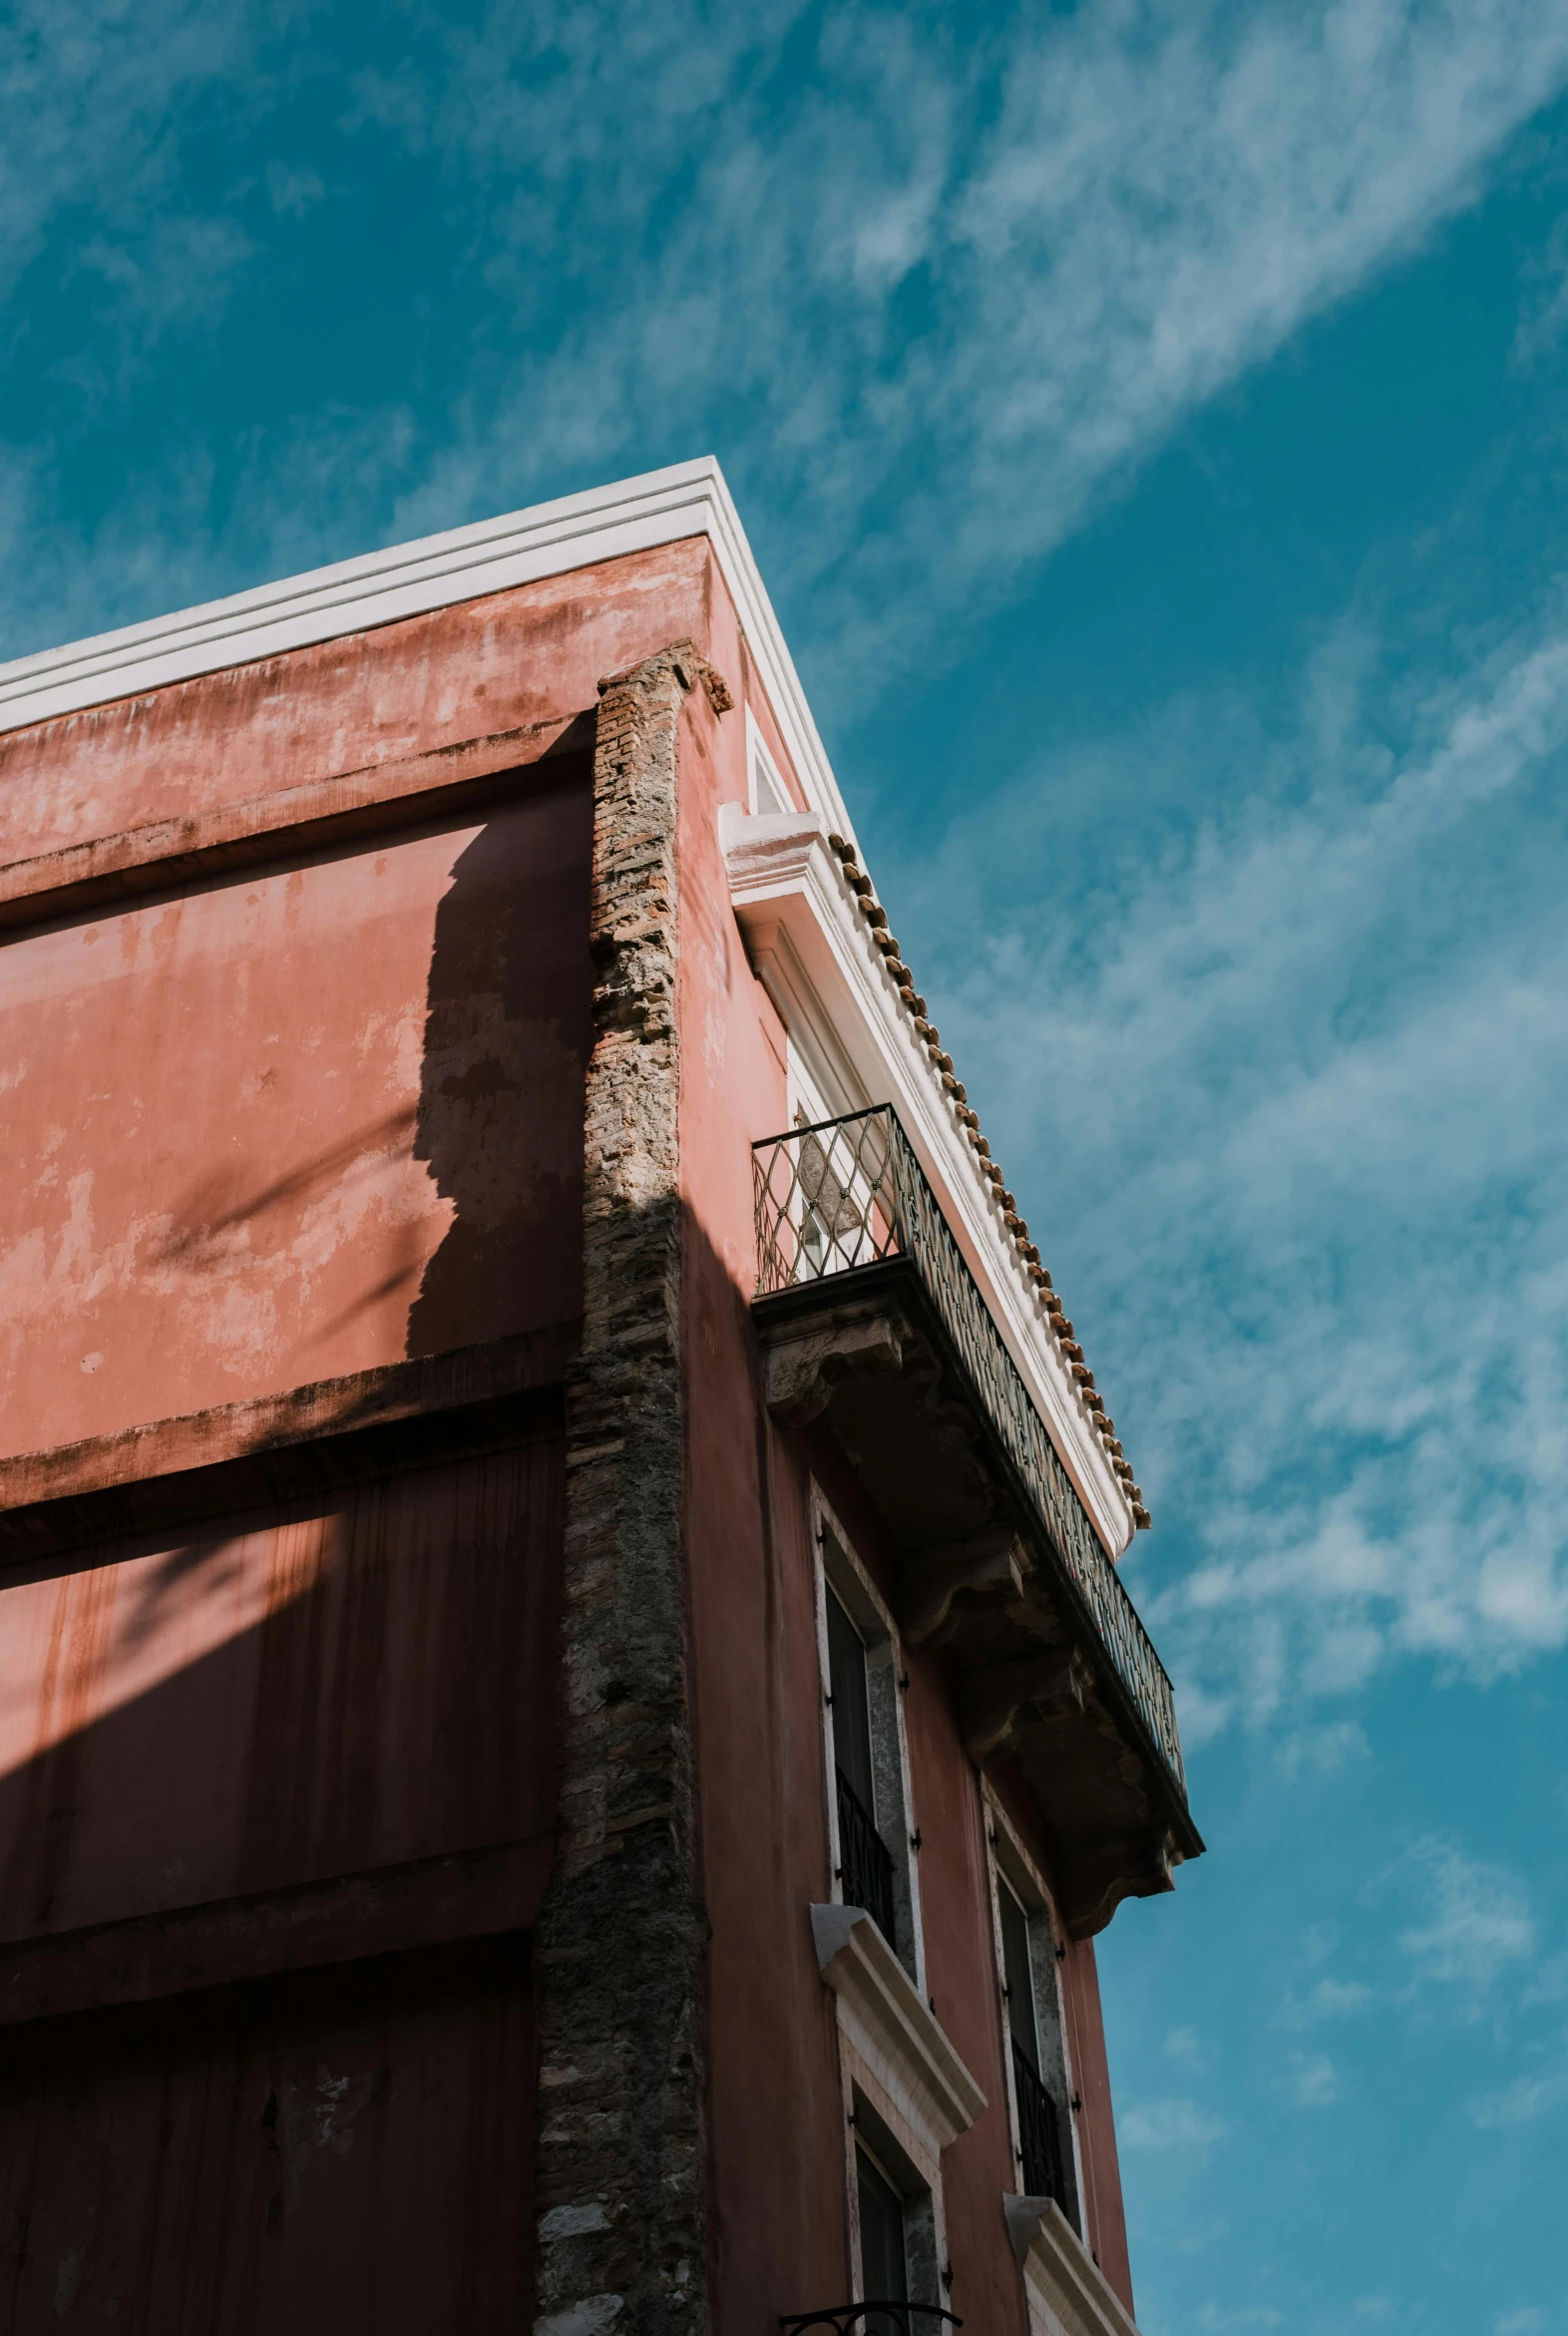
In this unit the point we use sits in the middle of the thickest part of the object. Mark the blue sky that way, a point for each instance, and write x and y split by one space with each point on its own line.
1152 425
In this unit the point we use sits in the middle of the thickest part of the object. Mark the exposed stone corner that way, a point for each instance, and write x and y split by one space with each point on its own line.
621 1937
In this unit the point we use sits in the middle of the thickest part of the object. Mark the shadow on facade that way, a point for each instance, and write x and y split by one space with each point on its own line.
317 2149
507 1037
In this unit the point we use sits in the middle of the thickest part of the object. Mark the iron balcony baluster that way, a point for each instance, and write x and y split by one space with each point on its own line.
1040 2133
850 1192
864 1862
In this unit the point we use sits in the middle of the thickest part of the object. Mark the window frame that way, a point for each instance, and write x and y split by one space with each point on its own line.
766 794
836 1564
1010 1864
917 2188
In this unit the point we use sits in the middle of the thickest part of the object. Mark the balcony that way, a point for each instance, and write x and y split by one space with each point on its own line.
875 1337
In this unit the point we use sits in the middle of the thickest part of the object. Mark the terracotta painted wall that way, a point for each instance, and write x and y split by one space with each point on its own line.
296 1124
307 1691
317 1116
311 1118
532 655
328 2152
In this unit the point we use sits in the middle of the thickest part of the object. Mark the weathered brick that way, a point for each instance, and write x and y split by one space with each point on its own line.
622 1938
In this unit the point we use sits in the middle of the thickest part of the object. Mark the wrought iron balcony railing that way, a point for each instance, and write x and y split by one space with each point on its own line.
865 1860
1040 2135
850 1193
871 2319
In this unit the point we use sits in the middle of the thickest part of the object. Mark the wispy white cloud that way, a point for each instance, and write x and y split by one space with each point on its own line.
927 294
1169 2124
1313 2082
1326 1999
1474 1919
1521 2102
1110 214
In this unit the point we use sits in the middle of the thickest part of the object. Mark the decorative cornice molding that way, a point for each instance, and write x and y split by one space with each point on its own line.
437 571
891 2026
1069 2293
784 874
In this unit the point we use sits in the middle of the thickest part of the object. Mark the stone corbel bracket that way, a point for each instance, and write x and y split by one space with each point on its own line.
1069 2295
1101 1878
994 1703
985 1569
892 2027
801 1372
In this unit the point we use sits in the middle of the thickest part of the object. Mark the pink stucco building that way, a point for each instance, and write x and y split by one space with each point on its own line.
568 1719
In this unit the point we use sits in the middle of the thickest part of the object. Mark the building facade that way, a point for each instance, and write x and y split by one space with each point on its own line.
569 1722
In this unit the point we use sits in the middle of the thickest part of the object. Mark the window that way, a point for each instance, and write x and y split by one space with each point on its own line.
1039 2082
1040 2129
870 1823
884 2261
865 1867
769 795
900 2245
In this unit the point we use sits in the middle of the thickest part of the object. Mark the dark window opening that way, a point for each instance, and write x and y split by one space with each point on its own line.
851 1705
1020 1984
884 2261
1040 2120
865 1864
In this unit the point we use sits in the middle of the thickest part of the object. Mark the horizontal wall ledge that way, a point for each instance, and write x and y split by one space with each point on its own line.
431 1901
109 870
335 1432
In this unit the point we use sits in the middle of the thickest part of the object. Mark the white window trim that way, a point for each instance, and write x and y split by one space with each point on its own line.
1008 1858
1067 2292
833 1553
918 2182
894 2057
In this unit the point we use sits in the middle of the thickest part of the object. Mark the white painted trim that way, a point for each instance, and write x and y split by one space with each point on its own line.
797 912
892 2028
1069 2293
437 571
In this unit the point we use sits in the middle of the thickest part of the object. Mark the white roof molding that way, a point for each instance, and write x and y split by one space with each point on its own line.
791 897
409 580
892 2027
1069 2295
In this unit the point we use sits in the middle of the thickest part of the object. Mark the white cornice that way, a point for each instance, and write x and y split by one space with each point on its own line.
892 2027
1069 2295
409 580
783 878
